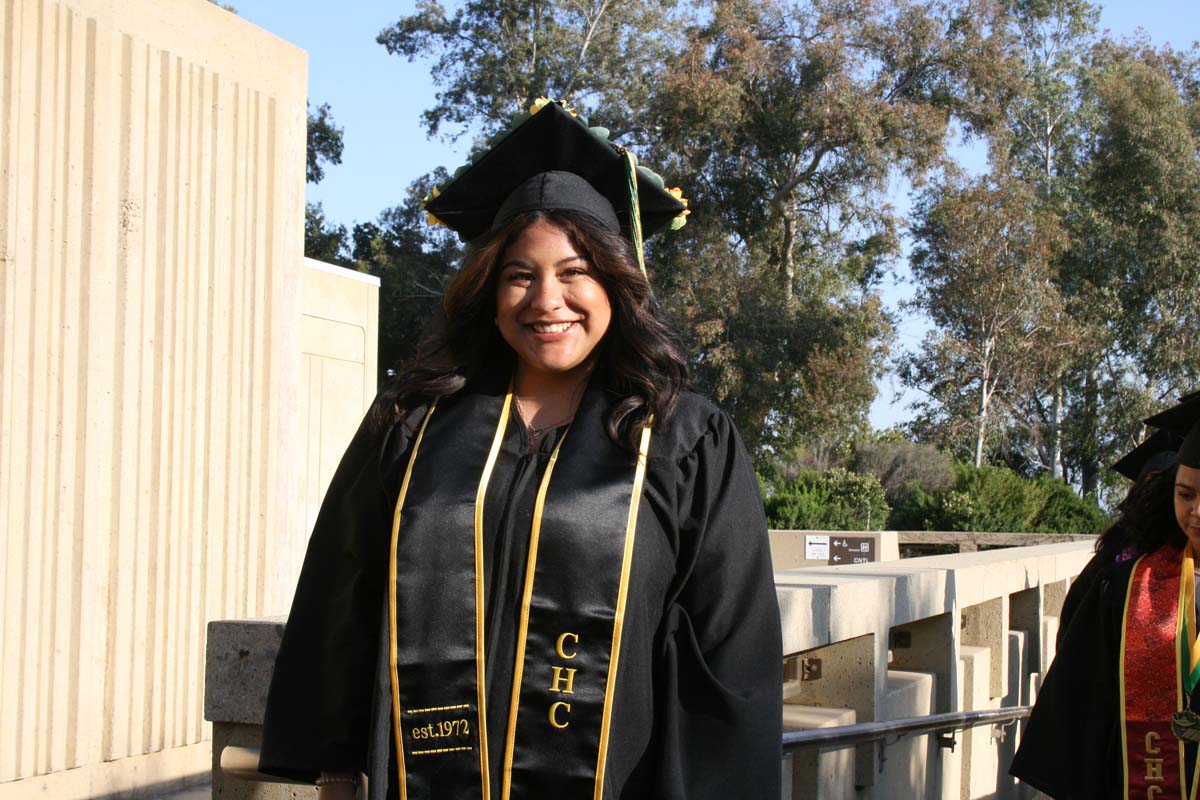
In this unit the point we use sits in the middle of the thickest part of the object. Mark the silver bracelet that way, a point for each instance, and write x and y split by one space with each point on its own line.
326 780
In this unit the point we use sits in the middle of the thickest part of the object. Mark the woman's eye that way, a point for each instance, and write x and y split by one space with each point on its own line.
515 276
574 272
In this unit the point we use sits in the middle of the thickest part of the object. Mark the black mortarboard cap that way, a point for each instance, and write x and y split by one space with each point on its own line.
1180 417
553 140
1189 451
1155 453
1183 418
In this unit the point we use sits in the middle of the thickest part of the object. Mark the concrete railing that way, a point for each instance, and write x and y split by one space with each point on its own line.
886 640
907 638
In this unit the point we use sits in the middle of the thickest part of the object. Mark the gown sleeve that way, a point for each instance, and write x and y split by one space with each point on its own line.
721 644
319 704
1071 746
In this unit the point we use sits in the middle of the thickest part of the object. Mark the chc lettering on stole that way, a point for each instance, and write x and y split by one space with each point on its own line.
563 679
1154 766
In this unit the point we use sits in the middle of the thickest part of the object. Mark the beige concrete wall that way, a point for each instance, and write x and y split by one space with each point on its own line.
151 207
339 334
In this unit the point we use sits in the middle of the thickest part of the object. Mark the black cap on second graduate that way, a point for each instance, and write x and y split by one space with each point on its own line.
551 160
1183 419
1180 417
1155 453
1189 451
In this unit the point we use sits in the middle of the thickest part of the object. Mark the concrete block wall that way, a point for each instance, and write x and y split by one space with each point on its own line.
159 375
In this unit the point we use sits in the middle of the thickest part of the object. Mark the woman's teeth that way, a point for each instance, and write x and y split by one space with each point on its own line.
551 327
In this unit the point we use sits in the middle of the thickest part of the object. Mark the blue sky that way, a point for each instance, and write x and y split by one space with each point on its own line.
378 99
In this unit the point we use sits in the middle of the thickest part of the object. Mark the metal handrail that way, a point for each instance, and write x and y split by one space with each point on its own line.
863 732
242 762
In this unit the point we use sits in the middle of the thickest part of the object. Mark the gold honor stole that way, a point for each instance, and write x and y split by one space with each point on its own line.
1158 669
572 608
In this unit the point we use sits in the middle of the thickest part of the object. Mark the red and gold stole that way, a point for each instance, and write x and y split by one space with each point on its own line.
1160 661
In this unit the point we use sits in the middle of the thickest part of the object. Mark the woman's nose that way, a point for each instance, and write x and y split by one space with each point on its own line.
547 294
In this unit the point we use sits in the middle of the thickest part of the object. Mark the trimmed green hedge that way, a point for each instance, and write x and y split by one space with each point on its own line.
995 499
835 500
982 499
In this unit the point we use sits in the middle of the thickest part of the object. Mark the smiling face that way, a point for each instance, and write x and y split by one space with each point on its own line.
550 306
1187 503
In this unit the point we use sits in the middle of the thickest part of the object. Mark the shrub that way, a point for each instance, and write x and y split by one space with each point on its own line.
797 507
997 500
991 499
1064 511
833 499
919 510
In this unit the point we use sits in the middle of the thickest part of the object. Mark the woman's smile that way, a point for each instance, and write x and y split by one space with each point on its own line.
551 329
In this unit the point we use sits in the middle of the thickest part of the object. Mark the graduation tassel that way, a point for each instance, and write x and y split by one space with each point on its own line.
635 210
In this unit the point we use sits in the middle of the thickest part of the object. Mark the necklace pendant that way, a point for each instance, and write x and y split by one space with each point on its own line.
1186 725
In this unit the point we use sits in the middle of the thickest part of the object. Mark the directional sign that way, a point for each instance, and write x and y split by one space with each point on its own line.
851 550
816 547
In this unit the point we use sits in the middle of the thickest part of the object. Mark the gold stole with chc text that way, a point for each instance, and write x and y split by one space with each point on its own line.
1157 629
572 608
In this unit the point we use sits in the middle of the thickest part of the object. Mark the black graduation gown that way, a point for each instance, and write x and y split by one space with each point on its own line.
697 708
1071 747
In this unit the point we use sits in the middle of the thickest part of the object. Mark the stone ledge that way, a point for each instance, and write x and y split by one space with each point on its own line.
239 660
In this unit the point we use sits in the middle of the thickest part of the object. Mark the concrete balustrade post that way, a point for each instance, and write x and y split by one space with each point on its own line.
928 645
986 625
1025 614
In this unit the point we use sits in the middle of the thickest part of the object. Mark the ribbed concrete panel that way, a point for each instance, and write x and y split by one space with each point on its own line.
151 473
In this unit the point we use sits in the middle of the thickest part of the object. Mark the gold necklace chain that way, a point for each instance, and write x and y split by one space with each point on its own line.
536 433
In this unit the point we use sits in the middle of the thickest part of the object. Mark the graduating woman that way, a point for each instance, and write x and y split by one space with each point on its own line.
1116 716
541 569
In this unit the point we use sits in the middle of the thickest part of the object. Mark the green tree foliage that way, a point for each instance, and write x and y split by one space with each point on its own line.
985 259
324 240
413 262
834 500
1134 228
1144 203
1041 140
492 59
1103 136
324 143
788 121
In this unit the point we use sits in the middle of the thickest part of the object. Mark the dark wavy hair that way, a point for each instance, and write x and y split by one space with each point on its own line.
639 357
1146 518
